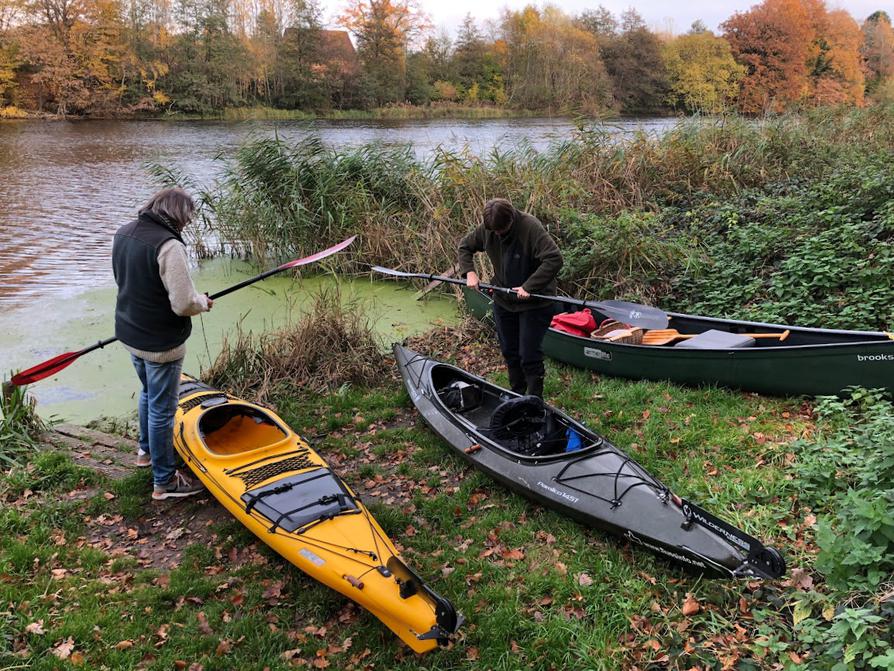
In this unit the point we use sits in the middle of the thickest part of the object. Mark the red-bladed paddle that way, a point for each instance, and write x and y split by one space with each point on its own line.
57 363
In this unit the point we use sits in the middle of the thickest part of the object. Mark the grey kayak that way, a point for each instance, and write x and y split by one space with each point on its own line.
545 455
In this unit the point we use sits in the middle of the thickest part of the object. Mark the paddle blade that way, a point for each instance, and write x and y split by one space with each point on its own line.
45 369
313 258
395 273
634 314
660 336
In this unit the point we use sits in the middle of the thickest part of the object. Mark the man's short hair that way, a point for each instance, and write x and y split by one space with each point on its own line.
174 205
498 214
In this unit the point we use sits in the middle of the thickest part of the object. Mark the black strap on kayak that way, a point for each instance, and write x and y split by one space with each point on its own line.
281 489
642 478
242 467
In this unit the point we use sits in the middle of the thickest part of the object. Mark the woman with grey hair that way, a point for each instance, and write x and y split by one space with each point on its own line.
156 299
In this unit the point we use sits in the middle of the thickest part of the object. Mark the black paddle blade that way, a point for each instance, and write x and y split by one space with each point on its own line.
634 314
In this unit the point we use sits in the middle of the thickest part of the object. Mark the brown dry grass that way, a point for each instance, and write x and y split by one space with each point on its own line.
332 345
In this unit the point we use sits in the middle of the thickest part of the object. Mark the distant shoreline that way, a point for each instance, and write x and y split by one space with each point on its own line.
391 113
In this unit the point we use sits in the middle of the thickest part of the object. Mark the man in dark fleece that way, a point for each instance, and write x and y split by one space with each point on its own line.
525 258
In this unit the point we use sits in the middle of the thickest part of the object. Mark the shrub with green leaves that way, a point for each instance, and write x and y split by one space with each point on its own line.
847 476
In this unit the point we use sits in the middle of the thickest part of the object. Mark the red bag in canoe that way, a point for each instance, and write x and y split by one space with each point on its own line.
579 323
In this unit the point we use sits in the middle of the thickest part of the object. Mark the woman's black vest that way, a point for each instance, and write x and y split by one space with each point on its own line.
143 316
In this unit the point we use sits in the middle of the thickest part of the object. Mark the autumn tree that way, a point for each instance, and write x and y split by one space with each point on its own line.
10 11
703 75
384 30
302 81
772 41
600 21
835 67
878 51
794 52
552 63
77 54
633 59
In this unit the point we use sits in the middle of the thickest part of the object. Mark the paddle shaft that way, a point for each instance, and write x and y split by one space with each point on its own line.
62 361
659 337
630 313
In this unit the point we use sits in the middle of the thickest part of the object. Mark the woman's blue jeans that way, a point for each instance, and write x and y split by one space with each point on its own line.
157 405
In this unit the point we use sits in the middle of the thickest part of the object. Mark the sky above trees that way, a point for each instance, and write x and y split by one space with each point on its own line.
659 14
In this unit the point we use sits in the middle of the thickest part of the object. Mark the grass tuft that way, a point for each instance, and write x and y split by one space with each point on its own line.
20 426
333 345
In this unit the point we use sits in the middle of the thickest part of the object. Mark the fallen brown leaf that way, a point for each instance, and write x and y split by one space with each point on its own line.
690 605
64 649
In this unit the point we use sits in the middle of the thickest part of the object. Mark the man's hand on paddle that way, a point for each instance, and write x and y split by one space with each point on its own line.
521 292
472 280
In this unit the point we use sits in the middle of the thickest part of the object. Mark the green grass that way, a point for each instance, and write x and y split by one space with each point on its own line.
571 601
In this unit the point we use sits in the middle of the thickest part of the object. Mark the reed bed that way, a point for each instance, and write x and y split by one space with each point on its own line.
330 346
281 199
641 217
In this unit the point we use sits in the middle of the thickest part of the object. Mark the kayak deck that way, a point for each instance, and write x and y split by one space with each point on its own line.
276 485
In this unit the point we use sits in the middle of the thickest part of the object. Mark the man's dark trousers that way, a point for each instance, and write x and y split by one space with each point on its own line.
521 341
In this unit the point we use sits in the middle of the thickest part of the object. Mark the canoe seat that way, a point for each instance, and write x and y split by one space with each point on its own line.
714 339
301 499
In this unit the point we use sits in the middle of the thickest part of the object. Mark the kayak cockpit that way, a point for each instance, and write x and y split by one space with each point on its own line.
234 428
521 425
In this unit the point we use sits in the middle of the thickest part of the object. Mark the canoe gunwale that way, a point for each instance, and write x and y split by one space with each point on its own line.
874 337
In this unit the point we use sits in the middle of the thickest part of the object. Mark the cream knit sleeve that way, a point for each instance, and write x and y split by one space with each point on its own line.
174 268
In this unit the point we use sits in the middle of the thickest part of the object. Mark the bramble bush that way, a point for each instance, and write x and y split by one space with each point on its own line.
846 476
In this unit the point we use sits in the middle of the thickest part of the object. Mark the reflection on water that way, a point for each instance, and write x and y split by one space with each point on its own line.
66 186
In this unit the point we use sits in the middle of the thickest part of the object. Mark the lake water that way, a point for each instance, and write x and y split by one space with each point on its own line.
66 186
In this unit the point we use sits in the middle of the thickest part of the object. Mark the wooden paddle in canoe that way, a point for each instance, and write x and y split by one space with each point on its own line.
665 336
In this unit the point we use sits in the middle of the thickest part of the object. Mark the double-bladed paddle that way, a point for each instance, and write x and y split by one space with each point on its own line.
634 314
57 363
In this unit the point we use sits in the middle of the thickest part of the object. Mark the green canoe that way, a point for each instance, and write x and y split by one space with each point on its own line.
810 361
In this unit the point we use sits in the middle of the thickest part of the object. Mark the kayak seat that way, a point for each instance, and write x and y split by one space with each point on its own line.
518 417
714 339
298 500
236 428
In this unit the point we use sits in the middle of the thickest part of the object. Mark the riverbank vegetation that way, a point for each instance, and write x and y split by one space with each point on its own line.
147 57
538 590
788 219
20 426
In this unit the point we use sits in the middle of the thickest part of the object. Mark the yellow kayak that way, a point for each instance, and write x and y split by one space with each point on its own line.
271 480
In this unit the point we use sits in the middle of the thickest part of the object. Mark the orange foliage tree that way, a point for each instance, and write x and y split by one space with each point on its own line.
772 40
796 51
878 51
836 71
